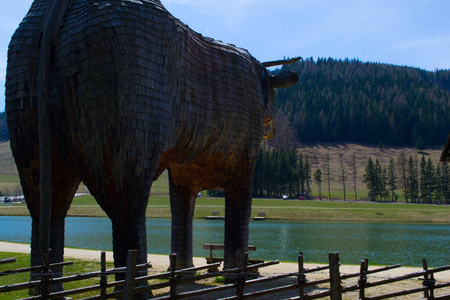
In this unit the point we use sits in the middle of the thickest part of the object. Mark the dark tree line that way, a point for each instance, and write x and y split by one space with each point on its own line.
280 172
421 182
348 100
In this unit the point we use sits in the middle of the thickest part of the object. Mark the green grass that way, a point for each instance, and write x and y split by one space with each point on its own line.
9 178
23 261
159 207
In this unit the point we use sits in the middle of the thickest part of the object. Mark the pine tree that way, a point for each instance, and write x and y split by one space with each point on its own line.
328 175
392 179
380 181
412 181
307 173
402 162
423 180
370 179
283 172
293 182
438 189
427 180
269 173
258 182
431 180
343 173
301 174
445 182
318 179
384 192
354 174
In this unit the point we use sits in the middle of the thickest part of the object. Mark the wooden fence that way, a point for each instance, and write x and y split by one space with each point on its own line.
239 280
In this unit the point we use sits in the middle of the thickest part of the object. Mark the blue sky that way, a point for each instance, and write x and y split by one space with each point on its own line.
402 32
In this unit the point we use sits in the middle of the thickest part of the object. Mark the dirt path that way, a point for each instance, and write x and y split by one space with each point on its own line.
160 263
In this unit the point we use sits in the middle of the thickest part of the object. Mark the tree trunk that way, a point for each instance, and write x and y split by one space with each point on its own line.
182 202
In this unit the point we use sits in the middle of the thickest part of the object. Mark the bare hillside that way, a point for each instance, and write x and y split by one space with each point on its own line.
317 154
358 155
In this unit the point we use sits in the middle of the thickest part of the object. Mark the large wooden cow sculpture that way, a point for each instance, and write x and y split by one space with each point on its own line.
112 93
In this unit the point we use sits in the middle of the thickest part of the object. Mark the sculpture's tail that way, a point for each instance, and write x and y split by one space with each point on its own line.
50 30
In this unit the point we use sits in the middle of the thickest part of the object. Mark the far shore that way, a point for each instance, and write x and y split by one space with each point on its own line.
275 209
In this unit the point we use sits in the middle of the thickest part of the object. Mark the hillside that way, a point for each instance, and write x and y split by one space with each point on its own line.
9 178
4 133
361 152
354 102
317 153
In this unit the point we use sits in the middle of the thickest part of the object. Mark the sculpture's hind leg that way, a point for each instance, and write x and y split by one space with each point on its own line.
64 185
63 196
182 202
123 195
125 201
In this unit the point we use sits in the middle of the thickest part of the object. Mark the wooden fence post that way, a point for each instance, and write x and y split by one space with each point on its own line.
45 278
242 273
363 278
128 292
301 278
173 278
103 277
428 281
335 277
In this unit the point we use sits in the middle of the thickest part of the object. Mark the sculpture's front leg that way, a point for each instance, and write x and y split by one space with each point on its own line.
238 202
182 202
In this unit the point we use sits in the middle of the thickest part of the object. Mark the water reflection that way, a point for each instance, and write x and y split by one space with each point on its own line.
381 243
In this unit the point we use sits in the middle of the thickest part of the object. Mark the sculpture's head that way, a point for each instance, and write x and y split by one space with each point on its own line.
269 84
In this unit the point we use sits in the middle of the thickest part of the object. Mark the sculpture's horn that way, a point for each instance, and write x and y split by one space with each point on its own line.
274 63
283 80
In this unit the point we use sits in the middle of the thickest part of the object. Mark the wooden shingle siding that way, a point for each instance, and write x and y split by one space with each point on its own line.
133 91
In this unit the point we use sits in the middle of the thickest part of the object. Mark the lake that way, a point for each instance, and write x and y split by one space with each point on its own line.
381 243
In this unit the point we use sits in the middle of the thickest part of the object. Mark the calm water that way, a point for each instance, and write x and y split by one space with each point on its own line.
381 243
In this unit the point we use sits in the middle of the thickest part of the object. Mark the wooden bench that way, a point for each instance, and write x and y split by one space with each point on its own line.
211 259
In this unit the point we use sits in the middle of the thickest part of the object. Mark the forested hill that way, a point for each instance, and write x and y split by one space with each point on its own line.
352 101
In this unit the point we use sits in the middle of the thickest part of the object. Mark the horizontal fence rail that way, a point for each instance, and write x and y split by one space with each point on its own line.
240 280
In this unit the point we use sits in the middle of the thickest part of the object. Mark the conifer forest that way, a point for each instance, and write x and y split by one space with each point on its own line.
352 101
348 101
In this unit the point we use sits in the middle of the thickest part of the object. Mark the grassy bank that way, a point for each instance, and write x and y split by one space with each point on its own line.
159 207
23 261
